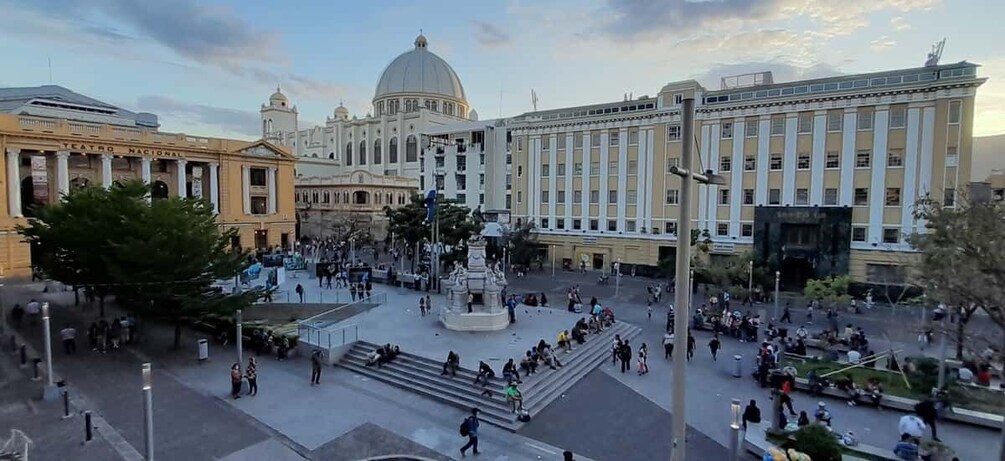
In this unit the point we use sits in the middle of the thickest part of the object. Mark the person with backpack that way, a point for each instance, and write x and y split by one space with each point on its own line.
469 429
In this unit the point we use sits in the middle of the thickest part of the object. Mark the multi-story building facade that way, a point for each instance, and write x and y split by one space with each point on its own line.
820 175
469 162
54 140
341 204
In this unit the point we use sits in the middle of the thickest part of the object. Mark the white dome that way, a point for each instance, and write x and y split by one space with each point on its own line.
278 98
420 71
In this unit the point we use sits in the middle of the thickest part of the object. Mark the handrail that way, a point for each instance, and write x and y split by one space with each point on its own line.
313 335
378 297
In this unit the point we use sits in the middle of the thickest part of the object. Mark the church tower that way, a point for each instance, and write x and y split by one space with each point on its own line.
279 120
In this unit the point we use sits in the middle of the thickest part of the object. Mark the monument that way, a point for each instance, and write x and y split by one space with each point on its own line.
474 293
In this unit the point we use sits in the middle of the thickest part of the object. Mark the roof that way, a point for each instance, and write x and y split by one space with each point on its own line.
420 71
459 127
17 100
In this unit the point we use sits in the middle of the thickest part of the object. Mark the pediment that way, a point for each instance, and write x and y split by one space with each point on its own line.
263 149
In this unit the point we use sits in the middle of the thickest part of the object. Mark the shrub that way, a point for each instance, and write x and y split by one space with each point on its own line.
818 443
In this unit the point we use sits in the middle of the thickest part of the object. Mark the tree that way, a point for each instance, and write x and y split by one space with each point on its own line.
161 259
522 243
831 291
456 224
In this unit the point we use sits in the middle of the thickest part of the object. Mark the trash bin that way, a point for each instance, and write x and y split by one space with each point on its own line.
203 349
737 366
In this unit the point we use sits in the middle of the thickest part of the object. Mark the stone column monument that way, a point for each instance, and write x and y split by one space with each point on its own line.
480 284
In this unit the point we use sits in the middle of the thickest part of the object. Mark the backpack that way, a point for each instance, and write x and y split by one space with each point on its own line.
465 428
523 416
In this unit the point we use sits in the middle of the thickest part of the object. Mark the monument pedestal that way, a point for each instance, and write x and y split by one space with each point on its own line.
480 286
475 321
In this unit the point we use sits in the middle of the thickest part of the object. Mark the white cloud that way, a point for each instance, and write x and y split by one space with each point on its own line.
899 24
989 116
882 43
490 35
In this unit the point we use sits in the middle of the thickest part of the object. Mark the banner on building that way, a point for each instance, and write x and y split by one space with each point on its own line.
39 180
197 181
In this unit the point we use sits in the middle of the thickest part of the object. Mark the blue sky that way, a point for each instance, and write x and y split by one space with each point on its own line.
206 66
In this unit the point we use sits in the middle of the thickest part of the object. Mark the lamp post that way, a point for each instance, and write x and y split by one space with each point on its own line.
617 276
681 313
239 339
734 430
553 261
49 392
690 291
750 280
942 348
148 412
778 275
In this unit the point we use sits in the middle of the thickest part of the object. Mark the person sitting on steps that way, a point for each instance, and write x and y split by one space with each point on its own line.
485 373
514 397
528 364
451 365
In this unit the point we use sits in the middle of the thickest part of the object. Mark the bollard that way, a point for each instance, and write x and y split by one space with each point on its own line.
24 356
737 366
66 403
88 431
35 363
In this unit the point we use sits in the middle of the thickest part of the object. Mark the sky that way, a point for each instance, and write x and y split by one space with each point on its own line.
206 66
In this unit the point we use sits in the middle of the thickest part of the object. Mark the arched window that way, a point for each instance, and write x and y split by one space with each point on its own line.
411 149
265 127
376 152
331 156
348 154
158 190
392 151
360 197
362 152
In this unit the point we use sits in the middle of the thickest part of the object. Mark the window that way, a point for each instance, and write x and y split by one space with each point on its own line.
830 196
594 197
546 170
577 196
673 195
509 201
259 205
749 163
519 171
833 159
722 229
519 197
861 196
670 227
857 234
561 169
802 196
805 123
612 225
577 168
633 167
895 157
835 121
560 223
462 163
545 142
892 196
954 112
631 197
481 180
865 120
897 117
544 196
595 139
678 99
748 196
863 158
723 196
612 167
633 137
673 133
891 235
560 197
746 230
803 161
672 162
561 141
750 128
577 140
577 224
886 274
544 221
630 225
257 176
725 164
951 156
594 168
411 149
727 130
613 138
594 225
777 126
949 197
774 196
776 161
612 197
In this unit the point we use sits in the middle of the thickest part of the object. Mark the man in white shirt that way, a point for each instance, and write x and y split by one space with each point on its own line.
801 332
668 345
69 337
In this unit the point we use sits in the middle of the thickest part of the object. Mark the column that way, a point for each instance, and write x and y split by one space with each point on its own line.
106 170
711 200
182 180
214 185
553 181
736 177
270 181
63 172
605 158
910 194
622 184
246 188
705 140
818 158
145 169
927 151
789 160
570 148
877 186
585 196
849 130
763 146
642 182
14 182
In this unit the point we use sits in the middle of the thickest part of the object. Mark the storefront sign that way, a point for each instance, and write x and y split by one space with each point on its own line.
123 150
39 179
589 240
723 247
197 181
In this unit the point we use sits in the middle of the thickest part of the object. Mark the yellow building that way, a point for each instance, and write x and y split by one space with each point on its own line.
330 206
54 139
820 174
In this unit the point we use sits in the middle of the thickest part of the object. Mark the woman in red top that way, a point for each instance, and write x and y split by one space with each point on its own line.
786 390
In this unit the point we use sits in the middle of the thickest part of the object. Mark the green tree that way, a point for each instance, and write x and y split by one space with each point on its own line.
456 224
161 259
831 291
522 244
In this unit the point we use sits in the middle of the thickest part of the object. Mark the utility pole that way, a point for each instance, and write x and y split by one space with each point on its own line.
778 275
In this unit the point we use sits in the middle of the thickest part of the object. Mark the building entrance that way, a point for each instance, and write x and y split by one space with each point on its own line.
795 271
598 261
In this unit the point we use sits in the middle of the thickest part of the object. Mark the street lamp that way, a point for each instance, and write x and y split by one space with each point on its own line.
617 276
553 261
734 429
750 280
690 291
778 275
239 339
681 313
148 411
50 392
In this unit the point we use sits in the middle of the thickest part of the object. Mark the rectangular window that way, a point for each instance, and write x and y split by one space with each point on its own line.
863 158
891 235
898 116
892 196
895 158
776 162
577 224
777 126
594 197
630 225
803 161
725 164
951 156
672 196
672 162
519 196
594 168
595 139
612 225
750 128
544 222
509 201
633 137
722 229
670 228
774 196
594 224
560 224
749 163
861 196
257 177
561 169
805 123
546 170
830 196
613 138
631 197
545 142
577 140
833 159
612 197
748 196
802 196
723 196
577 196
954 112
577 168
727 130
857 234
259 205
544 196
612 167
560 197
949 197
561 141
678 99
633 167
865 120
673 133
746 230
835 121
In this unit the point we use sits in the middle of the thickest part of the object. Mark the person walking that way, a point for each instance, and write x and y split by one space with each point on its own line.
714 345
927 412
429 302
469 428
69 336
690 346
316 367
668 345
235 380
422 306
786 314
626 356
615 349
643 359
251 372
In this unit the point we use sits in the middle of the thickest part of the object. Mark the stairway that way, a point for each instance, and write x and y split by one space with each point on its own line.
422 376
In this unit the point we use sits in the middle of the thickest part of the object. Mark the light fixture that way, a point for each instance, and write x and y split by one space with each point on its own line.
736 414
147 378
45 311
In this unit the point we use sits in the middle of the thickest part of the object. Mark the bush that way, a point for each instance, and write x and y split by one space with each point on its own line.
818 443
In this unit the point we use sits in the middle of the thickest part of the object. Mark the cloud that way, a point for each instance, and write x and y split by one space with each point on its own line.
226 122
899 24
882 43
489 35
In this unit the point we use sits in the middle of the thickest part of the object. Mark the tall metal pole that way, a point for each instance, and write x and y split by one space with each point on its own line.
778 275
617 277
148 412
942 352
690 291
553 261
734 430
750 280
50 388
681 313
239 320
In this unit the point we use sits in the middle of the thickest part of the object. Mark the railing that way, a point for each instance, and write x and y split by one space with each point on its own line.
328 338
37 123
77 127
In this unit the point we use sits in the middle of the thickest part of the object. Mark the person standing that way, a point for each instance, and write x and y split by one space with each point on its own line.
92 336
786 314
429 303
471 300
300 292
643 359
469 428
235 380
352 292
668 345
615 349
316 367
751 414
626 356
251 372
649 313
713 346
927 412
69 336
690 346
422 306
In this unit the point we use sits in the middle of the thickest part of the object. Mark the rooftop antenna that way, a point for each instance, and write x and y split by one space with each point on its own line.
50 70
533 99
936 54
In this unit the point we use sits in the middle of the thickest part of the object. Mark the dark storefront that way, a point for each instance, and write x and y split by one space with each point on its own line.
803 242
